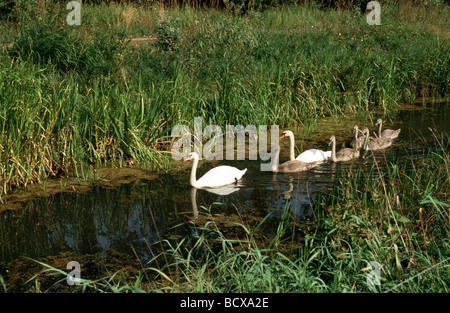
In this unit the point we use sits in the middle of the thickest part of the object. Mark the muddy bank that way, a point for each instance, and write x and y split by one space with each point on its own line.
17 274
105 177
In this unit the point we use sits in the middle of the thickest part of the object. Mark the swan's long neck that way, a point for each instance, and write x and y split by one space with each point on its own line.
366 140
276 159
379 129
333 150
193 178
291 147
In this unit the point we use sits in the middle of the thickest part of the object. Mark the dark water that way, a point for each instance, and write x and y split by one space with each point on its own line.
132 218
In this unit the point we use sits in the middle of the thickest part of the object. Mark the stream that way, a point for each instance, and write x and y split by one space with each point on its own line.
109 228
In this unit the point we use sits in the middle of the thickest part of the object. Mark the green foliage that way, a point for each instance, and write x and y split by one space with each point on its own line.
6 8
393 212
68 50
169 35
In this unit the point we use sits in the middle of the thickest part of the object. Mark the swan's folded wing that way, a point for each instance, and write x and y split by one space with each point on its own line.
313 155
220 176
295 166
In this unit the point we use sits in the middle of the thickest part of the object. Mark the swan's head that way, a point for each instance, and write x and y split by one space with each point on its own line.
378 122
190 156
365 131
286 133
355 129
332 139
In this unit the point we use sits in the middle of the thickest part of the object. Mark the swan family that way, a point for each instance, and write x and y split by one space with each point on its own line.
225 175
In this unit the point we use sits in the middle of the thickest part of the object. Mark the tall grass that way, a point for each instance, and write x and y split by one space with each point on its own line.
75 97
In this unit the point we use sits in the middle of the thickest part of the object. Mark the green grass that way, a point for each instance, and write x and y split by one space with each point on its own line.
75 98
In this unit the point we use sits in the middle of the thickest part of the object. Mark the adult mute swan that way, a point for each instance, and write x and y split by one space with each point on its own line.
375 143
387 133
342 155
216 177
291 166
307 156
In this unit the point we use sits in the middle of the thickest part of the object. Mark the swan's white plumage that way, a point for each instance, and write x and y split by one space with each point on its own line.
220 176
307 156
313 155
216 177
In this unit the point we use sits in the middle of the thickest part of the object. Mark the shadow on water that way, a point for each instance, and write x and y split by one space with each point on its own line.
132 219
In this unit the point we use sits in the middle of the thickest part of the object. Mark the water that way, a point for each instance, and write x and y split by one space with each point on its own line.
129 221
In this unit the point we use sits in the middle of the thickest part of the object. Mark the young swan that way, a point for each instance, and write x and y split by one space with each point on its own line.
216 177
358 140
307 156
342 155
387 133
375 143
291 166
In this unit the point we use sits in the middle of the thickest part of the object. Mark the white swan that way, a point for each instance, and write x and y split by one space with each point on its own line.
307 156
291 166
216 177
387 133
342 155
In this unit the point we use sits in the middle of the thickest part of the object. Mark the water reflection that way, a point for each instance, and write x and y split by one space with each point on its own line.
90 223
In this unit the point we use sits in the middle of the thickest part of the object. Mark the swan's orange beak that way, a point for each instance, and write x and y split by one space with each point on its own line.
185 160
282 136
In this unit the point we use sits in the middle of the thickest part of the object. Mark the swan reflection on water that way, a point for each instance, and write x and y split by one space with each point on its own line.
284 191
293 194
220 191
